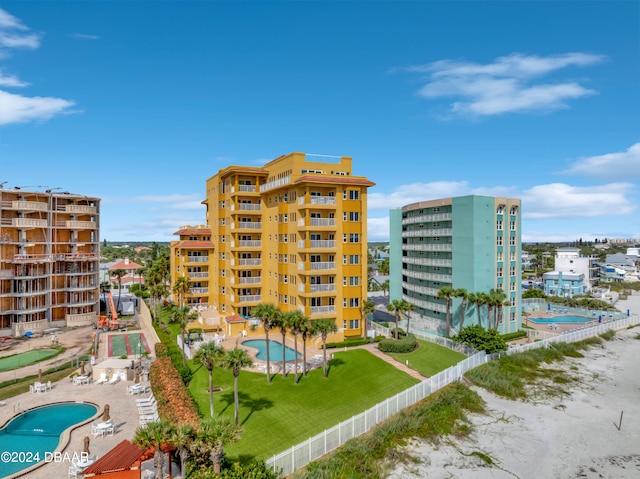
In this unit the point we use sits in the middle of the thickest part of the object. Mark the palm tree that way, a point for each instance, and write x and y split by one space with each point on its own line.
496 298
407 307
385 287
181 314
215 433
295 322
445 293
368 307
461 293
281 322
158 291
181 287
153 435
210 354
324 327
482 299
306 328
181 436
267 313
118 274
395 306
235 360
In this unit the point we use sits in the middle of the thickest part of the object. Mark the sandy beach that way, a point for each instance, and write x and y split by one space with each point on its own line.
570 437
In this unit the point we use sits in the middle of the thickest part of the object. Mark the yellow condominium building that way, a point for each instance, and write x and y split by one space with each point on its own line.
49 260
291 233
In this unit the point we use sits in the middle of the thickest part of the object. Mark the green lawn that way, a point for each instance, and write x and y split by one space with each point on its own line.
429 358
281 414
24 359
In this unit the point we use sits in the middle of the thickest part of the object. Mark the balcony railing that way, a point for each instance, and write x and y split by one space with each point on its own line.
251 280
426 232
28 223
83 225
249 244
198 274
322 288
80 209
428 247
250 262
198 290
426 261
427 218
249 298
318 200
322 221
253 225
197 259
323 265
323 309
29 205
248 206
247 188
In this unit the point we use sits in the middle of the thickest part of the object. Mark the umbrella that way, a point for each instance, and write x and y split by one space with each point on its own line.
86 446
40 375
82 368
105 416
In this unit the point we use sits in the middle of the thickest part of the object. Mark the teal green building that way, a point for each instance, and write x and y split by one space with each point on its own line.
471 244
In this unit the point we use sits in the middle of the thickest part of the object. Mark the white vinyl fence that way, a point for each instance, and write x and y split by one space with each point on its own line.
317 446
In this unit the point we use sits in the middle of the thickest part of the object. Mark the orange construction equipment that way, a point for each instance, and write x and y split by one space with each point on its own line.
110 321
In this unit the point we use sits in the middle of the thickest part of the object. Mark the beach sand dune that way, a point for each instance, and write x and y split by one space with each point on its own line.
573 436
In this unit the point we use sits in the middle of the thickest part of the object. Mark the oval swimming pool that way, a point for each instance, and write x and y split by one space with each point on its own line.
275 350
30 435
562 319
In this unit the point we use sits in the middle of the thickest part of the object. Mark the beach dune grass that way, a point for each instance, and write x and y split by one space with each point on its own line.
441 414
429 358
280 414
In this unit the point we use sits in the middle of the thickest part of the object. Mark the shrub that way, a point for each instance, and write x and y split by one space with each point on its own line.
481 339
516 335
349 343
404 345
174 400
377 339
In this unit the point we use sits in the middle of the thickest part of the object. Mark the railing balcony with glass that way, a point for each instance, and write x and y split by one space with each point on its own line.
198 290
323 309
198 274
249 298
196 259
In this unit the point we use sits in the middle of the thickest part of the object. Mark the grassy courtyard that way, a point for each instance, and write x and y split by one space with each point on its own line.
281 414
429 358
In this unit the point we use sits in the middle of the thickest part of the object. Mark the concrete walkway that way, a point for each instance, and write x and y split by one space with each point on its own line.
373 349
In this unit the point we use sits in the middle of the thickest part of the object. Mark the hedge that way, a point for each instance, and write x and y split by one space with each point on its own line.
516 335
404 345
349 343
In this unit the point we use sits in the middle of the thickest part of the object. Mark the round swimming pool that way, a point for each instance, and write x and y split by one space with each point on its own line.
562 320
31 435
275 350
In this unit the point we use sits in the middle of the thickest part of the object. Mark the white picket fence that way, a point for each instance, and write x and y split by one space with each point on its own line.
317 446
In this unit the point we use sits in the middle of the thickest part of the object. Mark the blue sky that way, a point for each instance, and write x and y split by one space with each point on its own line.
139 103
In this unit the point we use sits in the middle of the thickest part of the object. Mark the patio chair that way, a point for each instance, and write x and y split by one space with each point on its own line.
49 386
114 379
146 401
102 379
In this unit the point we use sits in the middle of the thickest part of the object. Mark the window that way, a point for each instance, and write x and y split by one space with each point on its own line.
344 238
354 194
354 259
292 258
499 241
344 324
286 279
499 272
286 238
223 255
344 281
354 238
344 194
514 210
354 280
512 271
286 299
512 241
286 198
512 316
286 217
344 259
354 324
512 225
512 286
354 302
436 210
499 256
500 209
354 216
499 224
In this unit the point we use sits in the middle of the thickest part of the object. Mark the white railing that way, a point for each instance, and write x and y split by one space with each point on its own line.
317 446
30 205
75 224
323 265
198 290
198 274
426 261
253 225
249 206
275 184
197 259
249 188
443 278
250 262
322 221
249 298
428 232
323 309
28 222
249 243
427 218
322 200
251 280
81 209
322 288
322 243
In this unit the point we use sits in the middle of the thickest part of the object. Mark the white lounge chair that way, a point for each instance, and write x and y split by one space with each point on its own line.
114 379
102 379
150 399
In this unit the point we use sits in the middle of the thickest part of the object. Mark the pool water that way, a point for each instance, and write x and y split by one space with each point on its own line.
275 350
563 320
37 432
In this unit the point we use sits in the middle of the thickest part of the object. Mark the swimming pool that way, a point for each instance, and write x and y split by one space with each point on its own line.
29 436
563 320
275 350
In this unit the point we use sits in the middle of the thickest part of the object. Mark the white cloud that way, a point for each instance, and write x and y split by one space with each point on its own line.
22 109
559 200
507 85
13 34
83 36
378 229
414 192
11 81
622 165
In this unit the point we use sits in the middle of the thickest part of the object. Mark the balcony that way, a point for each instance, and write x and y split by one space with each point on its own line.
428 247
323 309
197 259
247 225
322 221
322 288
427 261
318 200
81 209
29 205
198 274
427 218
28 223
198 290
248 244
80 225
249 298
247 207
249 262
250 280
443 278
321 265
244 188
426 232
